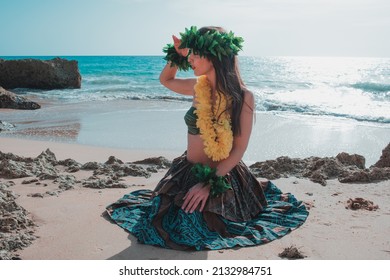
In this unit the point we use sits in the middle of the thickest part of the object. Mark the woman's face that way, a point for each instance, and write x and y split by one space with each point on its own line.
200 65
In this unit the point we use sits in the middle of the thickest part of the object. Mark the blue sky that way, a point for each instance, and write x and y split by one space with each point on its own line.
143 27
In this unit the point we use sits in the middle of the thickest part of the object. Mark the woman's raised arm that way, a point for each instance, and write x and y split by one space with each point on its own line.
168 75
169 80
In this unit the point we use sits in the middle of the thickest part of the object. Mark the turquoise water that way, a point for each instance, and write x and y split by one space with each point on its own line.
352 88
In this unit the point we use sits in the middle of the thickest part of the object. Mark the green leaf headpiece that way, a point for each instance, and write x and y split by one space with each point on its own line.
211 43
176 59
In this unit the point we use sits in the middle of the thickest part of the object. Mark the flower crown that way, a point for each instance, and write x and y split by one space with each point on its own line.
211 43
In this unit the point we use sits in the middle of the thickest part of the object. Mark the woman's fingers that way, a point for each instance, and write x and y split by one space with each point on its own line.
186 201
202 205
190 203
195 197
175 39
176 43
194 204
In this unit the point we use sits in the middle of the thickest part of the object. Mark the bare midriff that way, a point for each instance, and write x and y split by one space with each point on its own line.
195 152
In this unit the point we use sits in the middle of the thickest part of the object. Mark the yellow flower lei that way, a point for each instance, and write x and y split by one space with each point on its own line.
217 135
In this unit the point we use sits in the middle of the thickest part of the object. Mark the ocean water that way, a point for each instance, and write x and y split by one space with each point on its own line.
351 88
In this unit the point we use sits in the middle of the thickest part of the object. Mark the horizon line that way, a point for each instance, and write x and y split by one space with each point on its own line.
158 55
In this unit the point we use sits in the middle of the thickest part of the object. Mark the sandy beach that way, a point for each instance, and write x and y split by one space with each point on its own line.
70 225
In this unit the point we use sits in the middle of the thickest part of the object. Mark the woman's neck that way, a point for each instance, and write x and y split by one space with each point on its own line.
212 80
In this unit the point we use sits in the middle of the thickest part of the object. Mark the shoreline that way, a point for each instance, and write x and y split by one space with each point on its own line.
152 125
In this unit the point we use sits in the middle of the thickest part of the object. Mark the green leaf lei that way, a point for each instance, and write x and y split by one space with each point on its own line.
211 43
206 174
176 59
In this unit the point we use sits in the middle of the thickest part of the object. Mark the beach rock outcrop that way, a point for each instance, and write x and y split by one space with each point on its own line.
361 203
344 167
56 73
43 166
291 253
384 160
352 160
46 167
104 183
6 126
11 100
160 162
16 227
116 168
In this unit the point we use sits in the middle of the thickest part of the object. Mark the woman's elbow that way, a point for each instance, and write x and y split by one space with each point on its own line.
162 80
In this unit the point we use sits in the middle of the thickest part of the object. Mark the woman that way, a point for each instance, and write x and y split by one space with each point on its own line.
209 199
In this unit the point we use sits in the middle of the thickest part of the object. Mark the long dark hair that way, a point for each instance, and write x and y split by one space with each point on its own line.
228 81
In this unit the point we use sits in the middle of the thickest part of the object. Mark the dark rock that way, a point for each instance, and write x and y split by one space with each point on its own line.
66 182
344 167
113 169
11 100
113 160
8 156
291 253
318 177
152 169
384 160
103 183
16 228
92 165
373 174
281 167
5 126
40 195
379 174
34 180
43 166
71 165
326 167
361 176
121 170
356 160
56 73
161 162
361 203
11 169
48 156
52 193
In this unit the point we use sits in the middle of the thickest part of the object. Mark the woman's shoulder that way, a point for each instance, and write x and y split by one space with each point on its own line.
247 92
249 97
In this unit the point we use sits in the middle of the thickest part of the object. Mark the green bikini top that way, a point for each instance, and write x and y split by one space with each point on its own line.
190 118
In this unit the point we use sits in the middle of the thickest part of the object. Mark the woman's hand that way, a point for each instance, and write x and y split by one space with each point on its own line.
196 196
176 43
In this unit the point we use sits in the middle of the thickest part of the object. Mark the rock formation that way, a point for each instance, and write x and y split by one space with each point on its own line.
16 227
5 126
384 160
12 101
344 167
56 73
